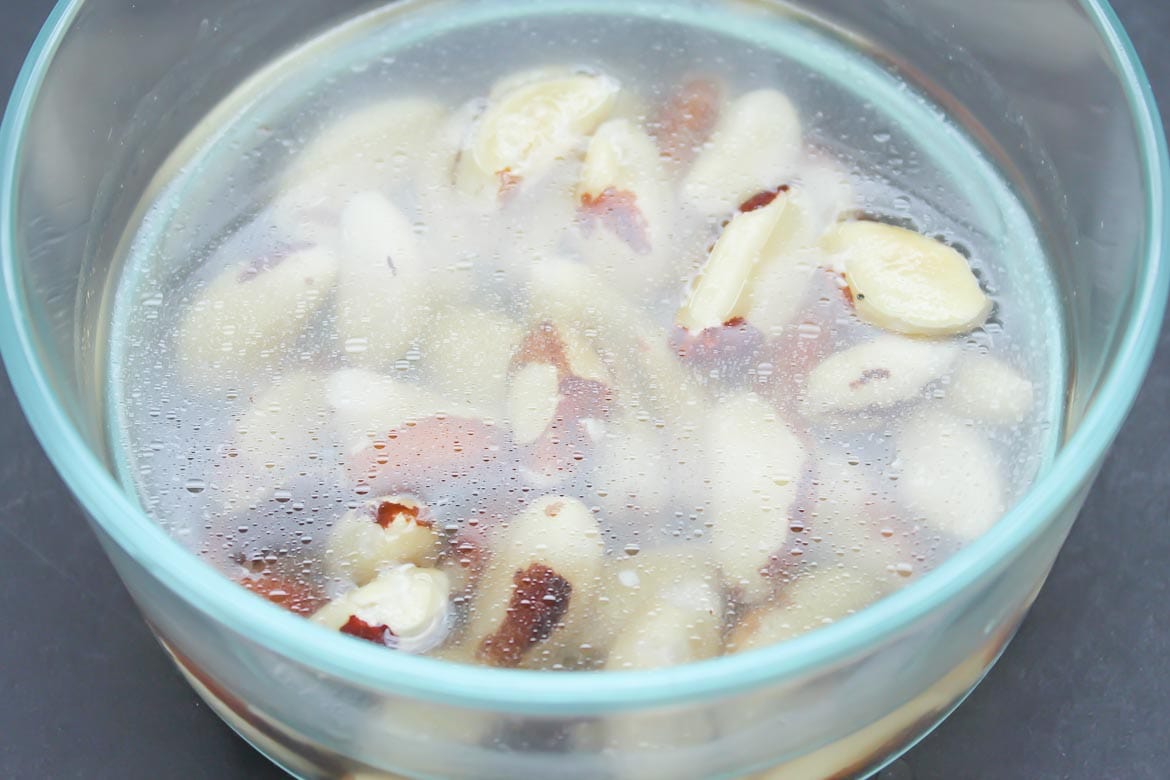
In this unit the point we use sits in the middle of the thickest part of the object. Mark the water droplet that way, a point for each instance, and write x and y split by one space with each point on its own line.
195 486
281 495
356 345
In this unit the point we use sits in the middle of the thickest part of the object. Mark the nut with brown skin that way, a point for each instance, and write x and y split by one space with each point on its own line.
379 533
537 593
876 374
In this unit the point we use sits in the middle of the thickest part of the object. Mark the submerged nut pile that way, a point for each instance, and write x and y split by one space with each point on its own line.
570 325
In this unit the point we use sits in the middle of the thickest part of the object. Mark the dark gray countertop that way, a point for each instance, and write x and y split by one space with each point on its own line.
1083 691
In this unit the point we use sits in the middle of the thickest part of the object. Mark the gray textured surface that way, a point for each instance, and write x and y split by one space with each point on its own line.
1083 692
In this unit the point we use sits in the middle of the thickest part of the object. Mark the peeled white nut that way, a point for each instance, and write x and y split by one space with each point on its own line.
684 624
949 475
411 602
753 148
908 283
383 301
279 425
528 127
634 468
380 533
886 371
756 465
631 585
811 602
374 145
621 156
721 292
466 353
245 316
540 588
533 397
985 388
780 290
366 405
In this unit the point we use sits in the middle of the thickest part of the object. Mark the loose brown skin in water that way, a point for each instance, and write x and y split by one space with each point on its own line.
687 119
540 599
616 210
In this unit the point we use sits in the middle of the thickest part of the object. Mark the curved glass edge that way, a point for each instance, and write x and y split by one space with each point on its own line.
549 693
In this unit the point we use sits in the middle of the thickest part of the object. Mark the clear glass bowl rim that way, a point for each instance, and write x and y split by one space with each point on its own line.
576 693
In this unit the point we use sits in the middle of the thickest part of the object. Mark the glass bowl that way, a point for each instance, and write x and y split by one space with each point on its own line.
109 91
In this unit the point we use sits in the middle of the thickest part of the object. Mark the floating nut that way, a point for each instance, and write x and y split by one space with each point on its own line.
528 127
366 405
533 397
987 389
466 354
623 194
721 291
383 301
949 475
374 145
906 282
404 607
541 585
683 624
380 533
753 148
812 601
244 316
880 373
644 371
756 466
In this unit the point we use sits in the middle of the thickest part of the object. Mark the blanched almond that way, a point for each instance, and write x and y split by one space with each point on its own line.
753 148
541 584
533 397
466 353
405 608
246 315
906 282
755 468
876 374
949 475
721 291
988 389
529 126
380 533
